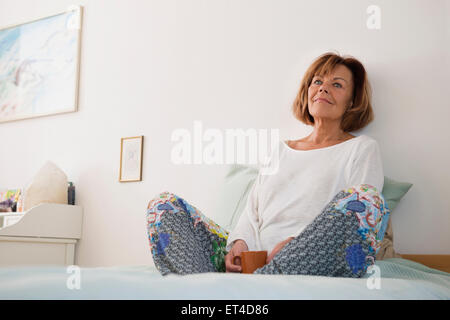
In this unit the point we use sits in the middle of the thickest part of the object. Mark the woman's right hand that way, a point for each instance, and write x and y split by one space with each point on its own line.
238 247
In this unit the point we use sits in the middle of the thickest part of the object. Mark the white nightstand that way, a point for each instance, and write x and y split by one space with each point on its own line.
9 218
44 235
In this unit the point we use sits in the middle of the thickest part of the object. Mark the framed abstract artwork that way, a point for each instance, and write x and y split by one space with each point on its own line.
39 66
131 159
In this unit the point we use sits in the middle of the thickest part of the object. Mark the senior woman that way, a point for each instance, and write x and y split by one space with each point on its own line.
322 213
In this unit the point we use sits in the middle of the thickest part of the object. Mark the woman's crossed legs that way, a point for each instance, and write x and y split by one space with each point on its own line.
342 241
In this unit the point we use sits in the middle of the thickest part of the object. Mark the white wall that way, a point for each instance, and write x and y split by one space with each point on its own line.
150 67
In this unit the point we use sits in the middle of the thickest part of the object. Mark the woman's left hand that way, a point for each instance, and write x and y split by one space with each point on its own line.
277 249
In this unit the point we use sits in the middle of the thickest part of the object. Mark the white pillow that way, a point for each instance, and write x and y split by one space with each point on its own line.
49 185
233 194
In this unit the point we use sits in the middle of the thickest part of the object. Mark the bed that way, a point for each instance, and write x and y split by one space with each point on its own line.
394 277
400 279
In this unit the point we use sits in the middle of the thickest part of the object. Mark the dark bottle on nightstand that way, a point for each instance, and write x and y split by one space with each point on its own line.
71 194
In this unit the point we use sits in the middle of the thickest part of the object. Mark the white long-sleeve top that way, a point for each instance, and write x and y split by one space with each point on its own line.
281 205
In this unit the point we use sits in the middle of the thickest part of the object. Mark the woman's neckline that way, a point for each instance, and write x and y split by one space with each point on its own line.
324 148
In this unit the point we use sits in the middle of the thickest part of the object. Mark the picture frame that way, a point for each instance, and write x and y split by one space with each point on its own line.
131 150
42 66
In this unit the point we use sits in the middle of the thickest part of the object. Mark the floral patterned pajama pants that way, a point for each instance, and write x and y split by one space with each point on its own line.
342 241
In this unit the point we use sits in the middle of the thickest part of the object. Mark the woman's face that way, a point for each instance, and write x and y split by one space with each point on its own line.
336 88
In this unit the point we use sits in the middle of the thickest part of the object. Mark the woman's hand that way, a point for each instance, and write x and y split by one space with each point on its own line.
238 247
277 248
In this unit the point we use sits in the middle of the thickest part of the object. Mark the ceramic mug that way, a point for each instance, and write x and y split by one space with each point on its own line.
251 260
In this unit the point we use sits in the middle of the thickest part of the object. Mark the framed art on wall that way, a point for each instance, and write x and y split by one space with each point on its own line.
39 66
131 159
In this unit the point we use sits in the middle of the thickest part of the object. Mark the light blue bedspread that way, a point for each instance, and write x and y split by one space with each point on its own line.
400 279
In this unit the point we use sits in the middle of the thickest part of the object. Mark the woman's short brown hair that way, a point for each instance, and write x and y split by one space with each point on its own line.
360 113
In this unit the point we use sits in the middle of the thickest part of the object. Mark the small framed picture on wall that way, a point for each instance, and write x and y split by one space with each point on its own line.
131 159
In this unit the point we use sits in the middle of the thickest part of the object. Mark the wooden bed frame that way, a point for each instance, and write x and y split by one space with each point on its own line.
436 261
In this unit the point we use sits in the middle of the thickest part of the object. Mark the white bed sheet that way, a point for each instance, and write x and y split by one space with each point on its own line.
400 279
